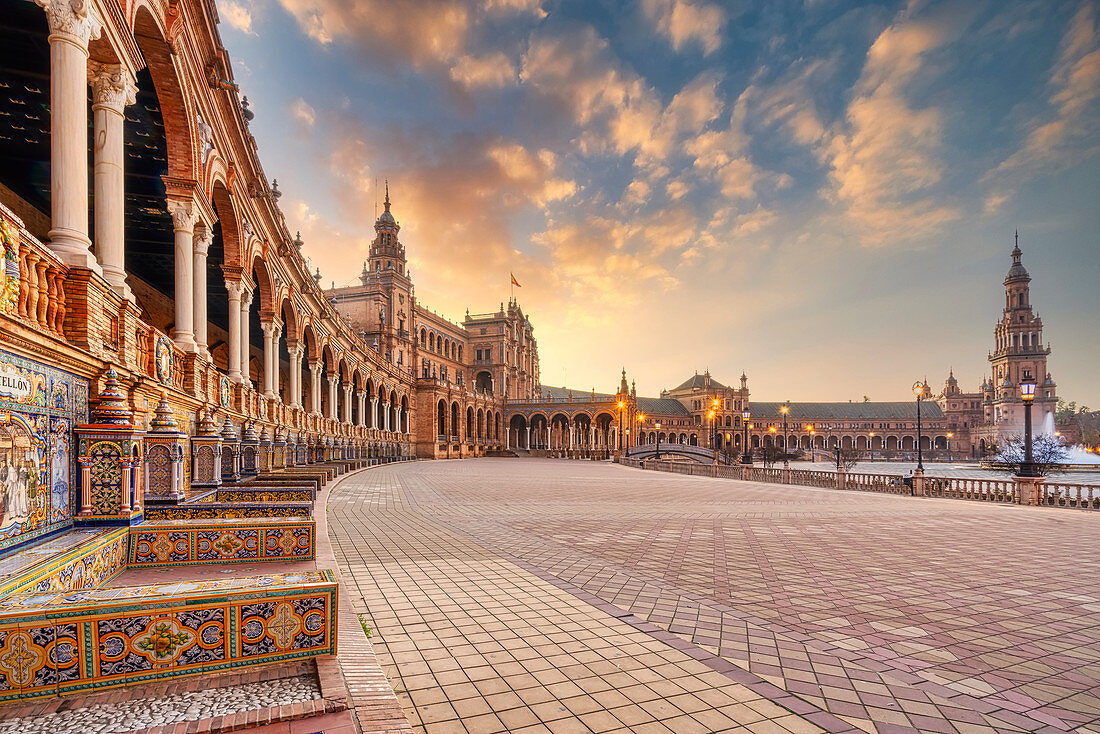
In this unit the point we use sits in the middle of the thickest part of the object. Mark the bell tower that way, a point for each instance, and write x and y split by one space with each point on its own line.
386 251
1019 355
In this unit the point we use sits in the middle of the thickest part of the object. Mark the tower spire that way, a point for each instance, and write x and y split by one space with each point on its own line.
387 202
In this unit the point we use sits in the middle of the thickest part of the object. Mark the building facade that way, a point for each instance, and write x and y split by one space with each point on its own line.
463 373
702 411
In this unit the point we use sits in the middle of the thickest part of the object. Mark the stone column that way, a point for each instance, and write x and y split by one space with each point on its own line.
397 417
234 289
271 358
203 236
296 376
386 416
183 225
507 437
374 412
73 24
528 438
315 387
346 418
332 382
362 398
246 306
113 89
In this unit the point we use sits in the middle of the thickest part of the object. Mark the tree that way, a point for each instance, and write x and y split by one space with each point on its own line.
772 454
1048 454
849 457
1066 412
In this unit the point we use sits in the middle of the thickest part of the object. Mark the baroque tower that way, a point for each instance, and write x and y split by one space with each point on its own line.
1019 355
388 323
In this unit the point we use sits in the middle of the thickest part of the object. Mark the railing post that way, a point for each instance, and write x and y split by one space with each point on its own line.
1028 489
918 483
841 478
785 475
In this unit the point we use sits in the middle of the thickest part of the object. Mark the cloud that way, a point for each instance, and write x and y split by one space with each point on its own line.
884 156
237 14
615 110
493 70
439 37
302 112
685 22
1065 132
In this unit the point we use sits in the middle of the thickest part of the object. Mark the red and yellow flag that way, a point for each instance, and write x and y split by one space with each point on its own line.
515 282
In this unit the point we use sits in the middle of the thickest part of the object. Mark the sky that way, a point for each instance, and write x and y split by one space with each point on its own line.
820 193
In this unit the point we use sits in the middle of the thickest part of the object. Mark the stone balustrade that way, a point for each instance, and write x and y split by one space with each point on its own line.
1017 490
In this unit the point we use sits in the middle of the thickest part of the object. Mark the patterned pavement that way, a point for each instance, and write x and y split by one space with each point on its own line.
542 595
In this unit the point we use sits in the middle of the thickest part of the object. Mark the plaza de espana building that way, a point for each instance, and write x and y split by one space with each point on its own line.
704 412
176 387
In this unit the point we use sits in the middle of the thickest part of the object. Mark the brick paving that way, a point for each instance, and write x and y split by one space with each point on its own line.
576 596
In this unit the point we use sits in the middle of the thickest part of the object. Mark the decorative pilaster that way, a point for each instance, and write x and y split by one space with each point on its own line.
73 24
206 453
183 226
110 444
165 445
113 89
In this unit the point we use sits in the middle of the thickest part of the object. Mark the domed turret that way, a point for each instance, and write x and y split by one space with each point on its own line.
1017 271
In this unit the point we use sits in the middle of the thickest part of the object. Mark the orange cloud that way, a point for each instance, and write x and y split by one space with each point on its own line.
685 22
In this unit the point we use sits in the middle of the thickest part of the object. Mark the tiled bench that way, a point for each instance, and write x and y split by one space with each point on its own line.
189 542
71 641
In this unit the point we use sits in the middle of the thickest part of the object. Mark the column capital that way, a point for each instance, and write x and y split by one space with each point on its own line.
112 85
272 328
73 20
183 215
203 237
235 289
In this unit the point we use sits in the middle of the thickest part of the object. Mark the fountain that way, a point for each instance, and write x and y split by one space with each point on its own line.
1077 457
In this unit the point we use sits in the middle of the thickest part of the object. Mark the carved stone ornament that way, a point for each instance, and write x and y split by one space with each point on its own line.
74 19
206 137
183 215
112 85
203 237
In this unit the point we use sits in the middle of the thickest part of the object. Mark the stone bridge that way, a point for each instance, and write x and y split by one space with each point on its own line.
697 454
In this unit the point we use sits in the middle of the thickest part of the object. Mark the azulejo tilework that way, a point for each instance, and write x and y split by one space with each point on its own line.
67 642
265 494
39 405
85 560
182 542
241 510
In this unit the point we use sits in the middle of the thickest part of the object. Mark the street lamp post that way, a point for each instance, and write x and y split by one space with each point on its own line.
810 428
715 404
784 410
621 406
1027 393
918 390
871 445
658 425
746 456
641 420
949 437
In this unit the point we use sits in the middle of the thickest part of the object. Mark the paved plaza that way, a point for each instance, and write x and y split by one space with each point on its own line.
534 595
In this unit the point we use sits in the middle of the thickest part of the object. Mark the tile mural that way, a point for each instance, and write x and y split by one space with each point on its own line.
39 405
